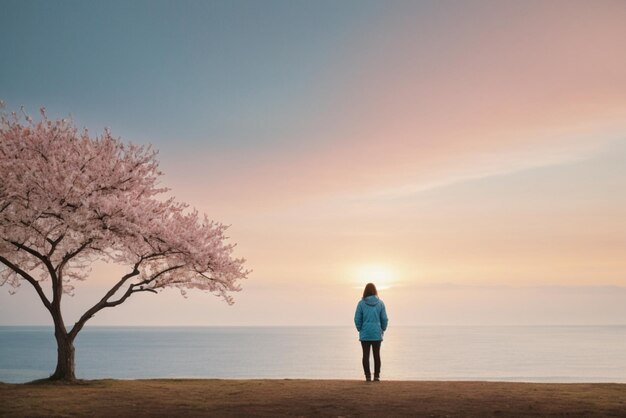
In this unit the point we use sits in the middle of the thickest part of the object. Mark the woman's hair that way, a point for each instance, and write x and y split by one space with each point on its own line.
370 289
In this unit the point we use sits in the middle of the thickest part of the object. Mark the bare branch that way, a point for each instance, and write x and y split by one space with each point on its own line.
145 289
125 296
103 302
30 279
156 276
133 288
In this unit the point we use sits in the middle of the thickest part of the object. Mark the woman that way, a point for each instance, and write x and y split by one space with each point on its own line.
371 322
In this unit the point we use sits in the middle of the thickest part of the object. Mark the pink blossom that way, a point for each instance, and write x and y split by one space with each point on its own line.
68 199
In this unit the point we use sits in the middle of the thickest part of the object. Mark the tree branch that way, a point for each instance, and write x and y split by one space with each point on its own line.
29 250
103 302
54 243
67 257
52 215
45 260
139 287
125 296
133 288
145 289
30 279
156 276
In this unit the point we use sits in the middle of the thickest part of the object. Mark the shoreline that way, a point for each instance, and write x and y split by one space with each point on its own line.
305 397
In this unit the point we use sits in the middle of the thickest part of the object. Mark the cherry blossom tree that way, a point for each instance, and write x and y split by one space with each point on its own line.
68 199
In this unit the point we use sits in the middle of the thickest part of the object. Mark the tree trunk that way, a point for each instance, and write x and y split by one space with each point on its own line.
65 370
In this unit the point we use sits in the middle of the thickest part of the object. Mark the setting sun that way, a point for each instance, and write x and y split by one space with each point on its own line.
381 275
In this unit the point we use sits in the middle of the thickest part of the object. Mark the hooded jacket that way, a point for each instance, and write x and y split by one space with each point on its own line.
371 319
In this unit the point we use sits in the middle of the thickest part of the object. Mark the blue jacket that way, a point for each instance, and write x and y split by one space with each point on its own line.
371 319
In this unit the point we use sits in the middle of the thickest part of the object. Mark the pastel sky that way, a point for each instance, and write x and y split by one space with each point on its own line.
468 157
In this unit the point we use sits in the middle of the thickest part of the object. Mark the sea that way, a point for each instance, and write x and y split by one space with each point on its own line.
494 353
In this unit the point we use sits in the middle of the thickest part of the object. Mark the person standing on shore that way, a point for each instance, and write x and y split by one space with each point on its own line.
371 322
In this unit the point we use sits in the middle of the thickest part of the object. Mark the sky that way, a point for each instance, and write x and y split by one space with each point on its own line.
467 157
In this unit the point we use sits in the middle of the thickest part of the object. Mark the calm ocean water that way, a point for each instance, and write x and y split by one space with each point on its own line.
537 354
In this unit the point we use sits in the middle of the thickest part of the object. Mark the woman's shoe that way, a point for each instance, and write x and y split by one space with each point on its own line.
368 378
376 379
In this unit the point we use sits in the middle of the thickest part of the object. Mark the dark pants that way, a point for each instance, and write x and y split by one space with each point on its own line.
366 357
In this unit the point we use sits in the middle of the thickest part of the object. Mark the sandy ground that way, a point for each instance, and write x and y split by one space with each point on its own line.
337 398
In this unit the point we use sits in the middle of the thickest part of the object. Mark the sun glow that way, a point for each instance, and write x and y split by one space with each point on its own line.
382 276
